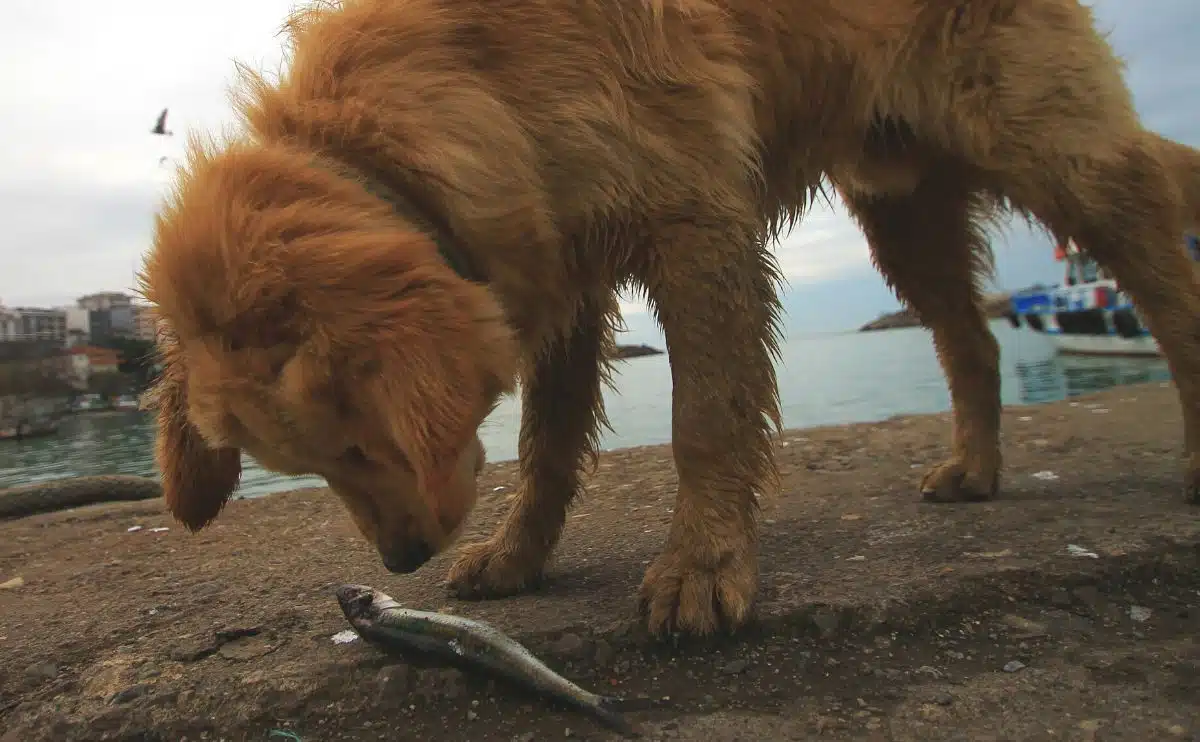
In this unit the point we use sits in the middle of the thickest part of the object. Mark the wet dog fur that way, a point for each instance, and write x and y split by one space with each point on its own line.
313 317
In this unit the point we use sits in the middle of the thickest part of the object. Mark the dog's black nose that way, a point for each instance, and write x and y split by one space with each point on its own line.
408 559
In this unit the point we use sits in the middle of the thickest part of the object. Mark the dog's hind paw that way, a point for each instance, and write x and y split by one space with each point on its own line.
954 482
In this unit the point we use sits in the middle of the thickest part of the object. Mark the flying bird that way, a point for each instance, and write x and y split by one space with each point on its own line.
160 127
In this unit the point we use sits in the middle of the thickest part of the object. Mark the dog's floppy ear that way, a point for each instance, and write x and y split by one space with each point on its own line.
430 413
197 480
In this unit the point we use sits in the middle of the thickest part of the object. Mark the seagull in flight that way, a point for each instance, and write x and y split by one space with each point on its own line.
160 126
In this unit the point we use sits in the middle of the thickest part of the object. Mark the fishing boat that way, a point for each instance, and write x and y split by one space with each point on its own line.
1088 313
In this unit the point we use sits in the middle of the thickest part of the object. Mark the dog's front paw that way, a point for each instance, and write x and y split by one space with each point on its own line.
682 594
954 481
492 569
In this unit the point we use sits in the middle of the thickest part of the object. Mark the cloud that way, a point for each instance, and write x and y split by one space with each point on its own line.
83 82
79 173
89 230
827 244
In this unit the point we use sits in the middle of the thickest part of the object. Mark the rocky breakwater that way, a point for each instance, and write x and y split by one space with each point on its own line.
635 351
995 306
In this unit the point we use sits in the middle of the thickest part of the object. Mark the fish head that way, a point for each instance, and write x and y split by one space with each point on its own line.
356 601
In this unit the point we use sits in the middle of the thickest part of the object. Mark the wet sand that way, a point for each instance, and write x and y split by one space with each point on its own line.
880 617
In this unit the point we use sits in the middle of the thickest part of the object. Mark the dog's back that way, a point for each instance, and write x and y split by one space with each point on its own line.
1183 162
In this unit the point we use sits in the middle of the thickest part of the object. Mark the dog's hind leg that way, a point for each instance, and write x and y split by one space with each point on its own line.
712 286
1125 205
1034 101
562 413
930 247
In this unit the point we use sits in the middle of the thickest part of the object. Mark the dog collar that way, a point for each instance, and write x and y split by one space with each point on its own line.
448 247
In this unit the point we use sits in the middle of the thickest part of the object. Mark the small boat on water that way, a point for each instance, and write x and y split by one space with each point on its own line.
1087 314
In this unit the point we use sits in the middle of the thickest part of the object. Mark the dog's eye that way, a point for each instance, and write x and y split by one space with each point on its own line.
354 455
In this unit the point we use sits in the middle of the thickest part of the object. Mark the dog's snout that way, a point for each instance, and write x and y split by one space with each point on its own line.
408 559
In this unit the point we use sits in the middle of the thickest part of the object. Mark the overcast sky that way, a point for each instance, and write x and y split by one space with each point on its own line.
80 176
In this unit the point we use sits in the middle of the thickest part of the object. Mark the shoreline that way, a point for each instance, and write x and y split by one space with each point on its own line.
646 447
119 635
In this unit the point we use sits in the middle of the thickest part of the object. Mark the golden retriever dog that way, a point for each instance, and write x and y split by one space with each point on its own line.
439 198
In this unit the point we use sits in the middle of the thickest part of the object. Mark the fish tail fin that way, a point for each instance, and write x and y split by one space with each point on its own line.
608 710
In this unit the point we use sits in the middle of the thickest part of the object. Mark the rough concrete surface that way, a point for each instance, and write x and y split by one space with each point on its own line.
1064 610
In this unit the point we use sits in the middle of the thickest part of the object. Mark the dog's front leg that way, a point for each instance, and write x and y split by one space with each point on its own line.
561 414
713 289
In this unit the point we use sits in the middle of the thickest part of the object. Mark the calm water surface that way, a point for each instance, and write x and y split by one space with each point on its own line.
823 379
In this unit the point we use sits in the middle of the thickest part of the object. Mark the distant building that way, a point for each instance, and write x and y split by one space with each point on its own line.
104 301
145 322
96 318
110 315
87 360
121 321
33 323
9 323
79 328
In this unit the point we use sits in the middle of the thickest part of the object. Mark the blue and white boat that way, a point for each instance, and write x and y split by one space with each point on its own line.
1088 313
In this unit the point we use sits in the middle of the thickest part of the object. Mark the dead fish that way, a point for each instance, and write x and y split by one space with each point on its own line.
381 620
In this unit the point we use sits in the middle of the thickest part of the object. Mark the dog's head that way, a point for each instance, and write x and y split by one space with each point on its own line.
306 323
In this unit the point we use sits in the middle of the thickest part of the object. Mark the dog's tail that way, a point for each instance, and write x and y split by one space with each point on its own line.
1183 162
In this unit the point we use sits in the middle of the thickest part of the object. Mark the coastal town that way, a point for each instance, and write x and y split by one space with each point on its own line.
96 354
